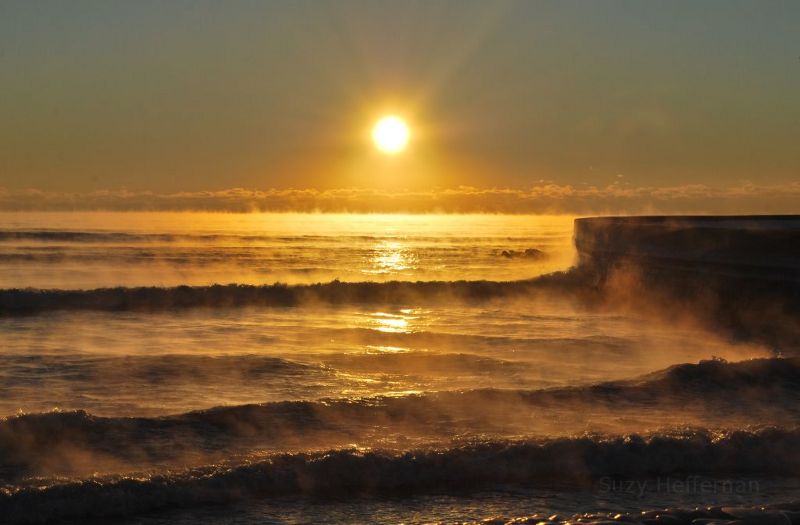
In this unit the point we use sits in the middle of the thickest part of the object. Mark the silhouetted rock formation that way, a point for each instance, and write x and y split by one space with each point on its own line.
741 272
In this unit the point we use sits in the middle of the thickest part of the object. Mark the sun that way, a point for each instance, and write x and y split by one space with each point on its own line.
390 134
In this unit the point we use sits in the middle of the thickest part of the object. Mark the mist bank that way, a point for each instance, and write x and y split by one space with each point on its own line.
709 394
546 197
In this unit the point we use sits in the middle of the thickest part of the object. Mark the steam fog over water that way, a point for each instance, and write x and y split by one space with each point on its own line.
521 394
90 250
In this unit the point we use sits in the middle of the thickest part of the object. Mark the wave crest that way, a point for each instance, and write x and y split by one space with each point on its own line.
724 395
32 301
349 473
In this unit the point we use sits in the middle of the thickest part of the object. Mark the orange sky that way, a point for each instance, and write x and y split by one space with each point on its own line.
607 97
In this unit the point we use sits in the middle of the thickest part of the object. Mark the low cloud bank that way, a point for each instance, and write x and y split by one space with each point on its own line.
542 198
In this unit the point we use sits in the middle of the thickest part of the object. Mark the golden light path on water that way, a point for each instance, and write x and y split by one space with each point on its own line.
151 362
391 257
390 323
377 366
92 250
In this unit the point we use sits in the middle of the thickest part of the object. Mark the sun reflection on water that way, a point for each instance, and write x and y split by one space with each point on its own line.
383 349
390 257
392 323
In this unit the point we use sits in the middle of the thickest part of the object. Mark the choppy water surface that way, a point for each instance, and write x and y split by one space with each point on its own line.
362 401
79 250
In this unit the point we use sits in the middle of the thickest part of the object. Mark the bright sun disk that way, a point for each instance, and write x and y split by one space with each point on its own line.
390 134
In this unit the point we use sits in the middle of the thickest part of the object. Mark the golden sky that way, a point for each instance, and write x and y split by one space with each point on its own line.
171 97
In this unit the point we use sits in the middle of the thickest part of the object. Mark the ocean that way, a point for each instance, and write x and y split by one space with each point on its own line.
357 368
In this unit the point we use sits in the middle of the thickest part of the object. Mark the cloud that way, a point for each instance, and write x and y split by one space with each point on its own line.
544 197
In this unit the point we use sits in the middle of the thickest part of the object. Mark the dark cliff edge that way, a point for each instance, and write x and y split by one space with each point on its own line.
741 273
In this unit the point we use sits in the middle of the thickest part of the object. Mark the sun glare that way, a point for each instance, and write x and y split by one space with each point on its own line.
390 134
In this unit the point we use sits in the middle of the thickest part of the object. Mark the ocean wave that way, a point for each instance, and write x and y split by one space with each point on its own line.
605 344
30 301
143 369
722 394
197 257
423 362
577 461
106 237
783 513
99 236
202 368
716 374
79 236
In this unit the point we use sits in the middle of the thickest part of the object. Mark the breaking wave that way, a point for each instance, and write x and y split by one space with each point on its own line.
30 301
46 443
347 473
